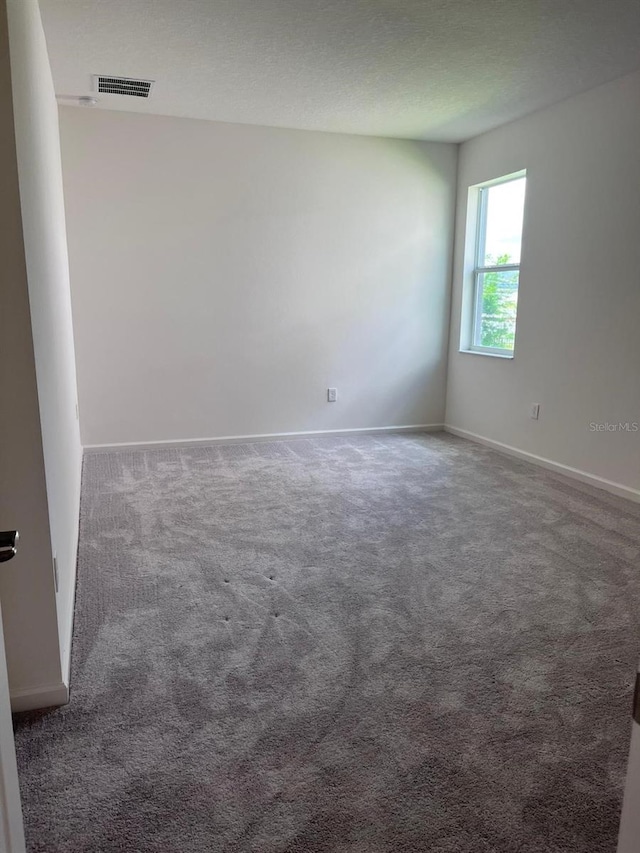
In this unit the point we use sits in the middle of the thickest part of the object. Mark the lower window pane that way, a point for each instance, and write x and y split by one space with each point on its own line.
497 307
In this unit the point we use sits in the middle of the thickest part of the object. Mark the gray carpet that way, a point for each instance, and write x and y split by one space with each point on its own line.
340 645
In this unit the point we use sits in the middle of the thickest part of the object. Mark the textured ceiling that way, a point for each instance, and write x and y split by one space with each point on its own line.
422 69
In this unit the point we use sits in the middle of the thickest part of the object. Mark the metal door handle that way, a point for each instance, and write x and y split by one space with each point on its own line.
8 545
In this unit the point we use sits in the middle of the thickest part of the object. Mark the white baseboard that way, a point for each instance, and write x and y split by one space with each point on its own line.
549 464
44 696
249 439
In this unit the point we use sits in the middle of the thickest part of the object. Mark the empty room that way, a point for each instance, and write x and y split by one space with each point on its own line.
320 429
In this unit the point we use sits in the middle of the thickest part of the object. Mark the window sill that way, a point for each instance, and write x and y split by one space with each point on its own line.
486 354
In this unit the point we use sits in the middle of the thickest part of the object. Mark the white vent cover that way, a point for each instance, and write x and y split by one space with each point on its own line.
123 86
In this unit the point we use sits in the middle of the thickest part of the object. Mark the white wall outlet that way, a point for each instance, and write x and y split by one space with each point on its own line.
77 413
534 411
332 395
56 576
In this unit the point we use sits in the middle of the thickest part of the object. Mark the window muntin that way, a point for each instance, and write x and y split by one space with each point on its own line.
496 272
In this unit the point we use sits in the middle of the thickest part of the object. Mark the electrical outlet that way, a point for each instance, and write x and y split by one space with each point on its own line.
332 395
56 576
534 411
77 413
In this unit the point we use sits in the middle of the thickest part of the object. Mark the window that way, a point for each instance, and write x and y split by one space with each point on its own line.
496 267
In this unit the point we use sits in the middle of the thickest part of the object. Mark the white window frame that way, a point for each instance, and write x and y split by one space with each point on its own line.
480 270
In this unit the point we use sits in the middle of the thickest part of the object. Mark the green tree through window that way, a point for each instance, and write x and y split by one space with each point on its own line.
499 306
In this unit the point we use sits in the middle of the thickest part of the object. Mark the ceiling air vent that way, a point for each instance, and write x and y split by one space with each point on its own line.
123 86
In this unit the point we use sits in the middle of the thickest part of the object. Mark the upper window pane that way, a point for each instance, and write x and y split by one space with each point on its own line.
504 210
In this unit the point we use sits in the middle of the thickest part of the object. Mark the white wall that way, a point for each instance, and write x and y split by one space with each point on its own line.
26 583
577 343
41 451
223 276
45 240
